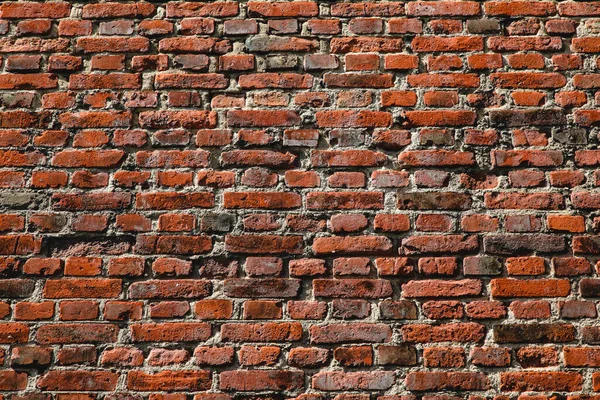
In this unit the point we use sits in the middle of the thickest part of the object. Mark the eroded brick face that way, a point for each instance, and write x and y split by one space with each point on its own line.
304 200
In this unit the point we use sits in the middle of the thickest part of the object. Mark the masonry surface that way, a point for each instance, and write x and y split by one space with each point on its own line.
299 200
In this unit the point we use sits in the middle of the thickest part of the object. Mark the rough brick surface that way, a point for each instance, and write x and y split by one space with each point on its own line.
312 200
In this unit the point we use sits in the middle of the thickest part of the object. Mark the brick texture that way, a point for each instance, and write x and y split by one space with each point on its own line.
309 200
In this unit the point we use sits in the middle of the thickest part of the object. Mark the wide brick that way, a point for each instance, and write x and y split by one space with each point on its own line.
276 81
524 243
28 81
108 81
421 381
84 287
432 44
169 380
344 200
169 289
515 118
15 10
526 43
534 333
439 244
188 44
173 244
174 331
441 288
354 119
352 288
350 332
88 158
440 118
455 332
13 380
116 10
339 380
586 244
14 332
195 9
581 357
490 356
77 333
346 158
433 201
190 81
173 158
17 288
261 380
115 44
534 158
262 287
262 118
173 200
262 332
524 381
442 9
95 119
269 44
589 287
263 244
266 200
78 380
367 9
508 287
178 119
519 201
352 245
360 44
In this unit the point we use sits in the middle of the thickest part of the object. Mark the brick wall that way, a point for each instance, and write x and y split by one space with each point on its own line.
314 200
